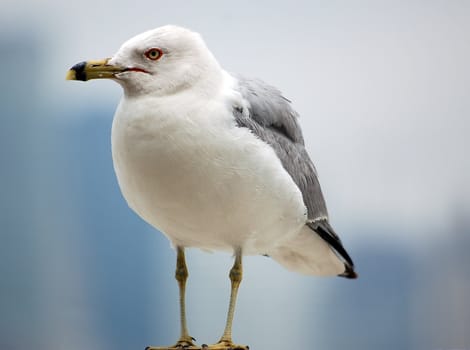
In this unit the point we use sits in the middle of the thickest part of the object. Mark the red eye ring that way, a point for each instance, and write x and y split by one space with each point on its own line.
154 53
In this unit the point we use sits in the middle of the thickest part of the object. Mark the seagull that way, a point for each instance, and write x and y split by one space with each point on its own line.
215 161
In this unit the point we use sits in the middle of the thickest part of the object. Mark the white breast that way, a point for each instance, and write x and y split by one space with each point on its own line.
200 179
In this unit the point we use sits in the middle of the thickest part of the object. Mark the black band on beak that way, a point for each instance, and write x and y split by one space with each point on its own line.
79 70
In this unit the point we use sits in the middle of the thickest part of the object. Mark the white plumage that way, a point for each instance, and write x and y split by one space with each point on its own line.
214 161
187 169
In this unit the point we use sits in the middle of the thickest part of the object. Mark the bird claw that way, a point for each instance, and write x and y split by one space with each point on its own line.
189 345
224 345
182 344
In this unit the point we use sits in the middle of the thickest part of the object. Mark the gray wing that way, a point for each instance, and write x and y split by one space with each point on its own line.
271 118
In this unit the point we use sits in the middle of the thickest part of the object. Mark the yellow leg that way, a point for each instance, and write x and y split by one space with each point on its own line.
181 275
236 274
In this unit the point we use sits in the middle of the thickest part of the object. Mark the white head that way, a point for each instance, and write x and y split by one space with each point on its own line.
161 61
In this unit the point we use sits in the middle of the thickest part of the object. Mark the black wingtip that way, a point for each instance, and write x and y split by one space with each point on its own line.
349 272
325 231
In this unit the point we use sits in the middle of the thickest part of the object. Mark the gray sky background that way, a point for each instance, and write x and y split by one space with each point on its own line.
381 86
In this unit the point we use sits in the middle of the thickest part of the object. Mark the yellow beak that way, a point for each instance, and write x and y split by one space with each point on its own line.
88 70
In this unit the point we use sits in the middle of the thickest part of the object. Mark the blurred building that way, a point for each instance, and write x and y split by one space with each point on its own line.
80 271
76 273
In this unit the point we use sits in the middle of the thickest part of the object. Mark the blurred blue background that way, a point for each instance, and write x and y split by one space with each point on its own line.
382 88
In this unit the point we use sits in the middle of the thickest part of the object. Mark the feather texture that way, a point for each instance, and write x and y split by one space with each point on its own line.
271 118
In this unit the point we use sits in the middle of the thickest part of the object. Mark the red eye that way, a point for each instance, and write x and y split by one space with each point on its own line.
153 53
